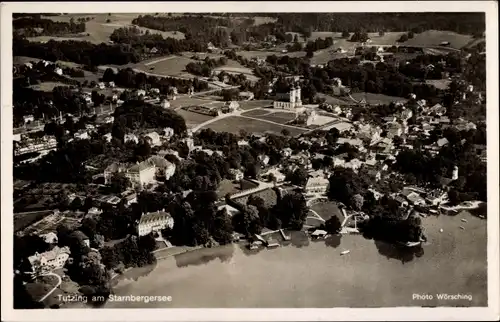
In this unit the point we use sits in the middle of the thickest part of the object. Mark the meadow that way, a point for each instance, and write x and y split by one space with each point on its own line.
234 124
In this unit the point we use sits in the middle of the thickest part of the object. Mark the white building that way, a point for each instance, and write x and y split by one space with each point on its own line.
28 118
142 173
236 174
82 135
165 104
53 259
50 238
154 221
317 185
58 71
280 177
141 92
109 119
111 84
168 133
264 159
107 137
154 90
289 101
130 138
286 152
153 139
101 85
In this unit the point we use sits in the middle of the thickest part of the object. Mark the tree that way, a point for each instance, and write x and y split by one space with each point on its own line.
109 75
97 241
76 204
403 38
345 34
298 177
357 202
333 225
292 210
285 132
119 182
381 33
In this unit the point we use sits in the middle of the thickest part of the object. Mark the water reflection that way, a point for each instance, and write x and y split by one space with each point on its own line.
401 253
333 241
136 273
204 255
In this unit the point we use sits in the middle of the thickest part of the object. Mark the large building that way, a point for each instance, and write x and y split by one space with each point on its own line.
290 100
154 221
317 185
52 259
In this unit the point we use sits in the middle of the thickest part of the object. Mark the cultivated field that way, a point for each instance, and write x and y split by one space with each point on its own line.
372 98
234 124
271 115
327 210
192 119
47 86
99 29
247 105
336 100
168 66
264 54
434 38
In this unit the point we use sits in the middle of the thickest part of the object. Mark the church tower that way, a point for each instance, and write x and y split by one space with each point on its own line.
455 173
293 95
298 95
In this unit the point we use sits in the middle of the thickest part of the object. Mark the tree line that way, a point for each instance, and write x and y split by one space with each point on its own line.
30 26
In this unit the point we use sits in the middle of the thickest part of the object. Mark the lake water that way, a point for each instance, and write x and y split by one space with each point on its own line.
314 274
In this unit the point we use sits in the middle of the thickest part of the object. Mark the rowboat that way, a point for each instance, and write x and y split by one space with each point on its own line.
345 252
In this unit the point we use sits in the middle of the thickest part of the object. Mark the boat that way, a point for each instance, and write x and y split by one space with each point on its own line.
463 220
462 227
345 252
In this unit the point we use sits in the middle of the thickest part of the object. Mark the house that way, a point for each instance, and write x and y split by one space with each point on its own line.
107 137
155 91
377 195
246 95
112 169
286 152
230 211
130 198
153 139
140 92
93 212
49 260
163 153
274 173
28 118
264 159
317 185
236 174
406 114
233 105
50 238
413 197
168 133
165 104
28 65
153 50
163 167
290 100
58 71
154 222
111 84
402 201
319 233
438 110
437 197
109 200
354 164
101 85
81 237
130 138
82 135
442 142
375 174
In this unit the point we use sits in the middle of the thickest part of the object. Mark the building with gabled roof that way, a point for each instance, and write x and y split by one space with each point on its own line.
153 222
50 260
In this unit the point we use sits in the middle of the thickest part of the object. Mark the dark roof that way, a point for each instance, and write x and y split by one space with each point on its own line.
79 235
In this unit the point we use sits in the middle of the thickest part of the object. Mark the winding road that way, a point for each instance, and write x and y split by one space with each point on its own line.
59 281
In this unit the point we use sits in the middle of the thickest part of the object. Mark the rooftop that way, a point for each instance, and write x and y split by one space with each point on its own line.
152 217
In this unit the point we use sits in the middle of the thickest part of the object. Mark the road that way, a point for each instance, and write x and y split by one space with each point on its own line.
59 281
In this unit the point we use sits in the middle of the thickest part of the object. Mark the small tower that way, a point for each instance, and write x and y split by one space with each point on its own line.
455 173
298 94
293 95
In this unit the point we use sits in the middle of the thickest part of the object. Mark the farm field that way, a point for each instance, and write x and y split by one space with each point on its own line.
168 66
192 119
247 105
47 86
268 195
335 100
372 98
22 221
264 54
98 29
434 38
234 124
184 101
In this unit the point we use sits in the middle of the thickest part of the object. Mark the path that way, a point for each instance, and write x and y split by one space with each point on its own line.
316 215
159 60
59 281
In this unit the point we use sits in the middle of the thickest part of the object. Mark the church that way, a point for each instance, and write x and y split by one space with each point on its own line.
288 101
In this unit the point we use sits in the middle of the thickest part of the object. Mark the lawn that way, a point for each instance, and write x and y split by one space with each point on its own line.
439 83
247 105
327 210
192 119
234 124
268 195
47 86
264 54
228 186
99 29
22 221
434 38
278 117
372 98
258 112
169 66
336 100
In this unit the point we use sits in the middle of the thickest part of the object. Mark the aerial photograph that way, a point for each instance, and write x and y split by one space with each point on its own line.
249 160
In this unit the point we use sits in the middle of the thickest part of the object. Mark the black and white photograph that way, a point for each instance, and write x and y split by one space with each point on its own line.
226 156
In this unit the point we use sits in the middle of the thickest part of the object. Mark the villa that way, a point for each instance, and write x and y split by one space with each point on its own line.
53 259
317 185
153 222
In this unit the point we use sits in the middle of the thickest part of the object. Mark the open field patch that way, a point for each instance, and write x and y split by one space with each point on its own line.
47 86
247 105
102 25
268 195
372 98
168 66
439 83
232 187
278 117
336 100
435 37
192 119
327 209
264 54
234 124
258 112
